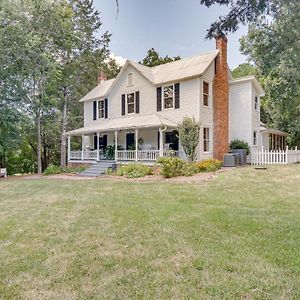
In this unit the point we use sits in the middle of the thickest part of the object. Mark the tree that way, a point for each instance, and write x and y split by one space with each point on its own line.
274 48
153 59
243 70
242 12
189 137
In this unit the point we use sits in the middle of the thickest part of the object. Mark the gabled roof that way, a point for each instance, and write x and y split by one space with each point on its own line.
99 91
129 122
251 78
182 69
174 71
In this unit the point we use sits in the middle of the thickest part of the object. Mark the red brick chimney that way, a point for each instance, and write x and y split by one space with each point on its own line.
221 100
101 77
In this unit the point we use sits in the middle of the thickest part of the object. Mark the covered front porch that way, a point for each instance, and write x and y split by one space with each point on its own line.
130 142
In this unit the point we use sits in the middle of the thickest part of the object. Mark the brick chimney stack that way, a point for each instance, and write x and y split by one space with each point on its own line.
221 100
101 77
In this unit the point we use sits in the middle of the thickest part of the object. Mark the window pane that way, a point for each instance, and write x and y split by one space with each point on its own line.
130 108
205 88
130 98
168 91
205 139
101 109
205 100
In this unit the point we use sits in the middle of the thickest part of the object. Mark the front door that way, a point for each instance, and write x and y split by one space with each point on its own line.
130 141
102 142
172 140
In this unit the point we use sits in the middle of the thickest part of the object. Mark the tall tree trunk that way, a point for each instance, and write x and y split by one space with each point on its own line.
39 144
63 131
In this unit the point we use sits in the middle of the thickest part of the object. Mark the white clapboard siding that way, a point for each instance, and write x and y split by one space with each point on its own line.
274 157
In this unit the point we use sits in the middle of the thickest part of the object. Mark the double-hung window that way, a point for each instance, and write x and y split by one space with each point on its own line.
206 139
205 89
130 103
101 113
168 93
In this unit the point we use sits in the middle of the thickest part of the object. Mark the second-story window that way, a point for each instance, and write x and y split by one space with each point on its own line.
168 96
130 79
101 113
256 103
205 94
130 103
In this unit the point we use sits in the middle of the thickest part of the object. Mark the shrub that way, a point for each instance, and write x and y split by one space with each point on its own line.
110 151
239 144
174 166
134 170
208 165
52 169
189 137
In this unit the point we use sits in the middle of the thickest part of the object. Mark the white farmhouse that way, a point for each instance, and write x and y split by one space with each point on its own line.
140 109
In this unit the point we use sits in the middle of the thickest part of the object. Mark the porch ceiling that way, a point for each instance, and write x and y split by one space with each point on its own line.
129 122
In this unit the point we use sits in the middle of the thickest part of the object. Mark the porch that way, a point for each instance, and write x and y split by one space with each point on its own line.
127 143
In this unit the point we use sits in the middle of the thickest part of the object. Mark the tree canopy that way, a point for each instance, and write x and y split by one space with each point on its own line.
153 59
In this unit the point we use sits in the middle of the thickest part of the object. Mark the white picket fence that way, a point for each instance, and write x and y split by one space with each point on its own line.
274 157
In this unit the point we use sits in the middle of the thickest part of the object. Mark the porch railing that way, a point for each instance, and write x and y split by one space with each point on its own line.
125 155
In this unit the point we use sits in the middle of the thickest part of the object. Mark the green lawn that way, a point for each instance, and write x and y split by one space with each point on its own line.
235 237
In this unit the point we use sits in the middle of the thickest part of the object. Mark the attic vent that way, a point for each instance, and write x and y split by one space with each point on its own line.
129 79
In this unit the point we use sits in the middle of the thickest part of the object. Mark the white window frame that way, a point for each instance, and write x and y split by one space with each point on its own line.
208 140
208 95
130 79
254 138
256 103
163 96
98 109
134 103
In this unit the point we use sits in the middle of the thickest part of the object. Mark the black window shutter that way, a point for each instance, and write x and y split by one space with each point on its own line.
177 95
158 103
137 102
105 108
95 142
94 110
123 104
158 140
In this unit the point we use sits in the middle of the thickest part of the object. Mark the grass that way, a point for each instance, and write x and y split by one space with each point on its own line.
236 237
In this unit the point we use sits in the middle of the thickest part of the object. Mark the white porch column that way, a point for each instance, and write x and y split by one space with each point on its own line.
161 143
136 144
98 146
116 145
69 147
82 145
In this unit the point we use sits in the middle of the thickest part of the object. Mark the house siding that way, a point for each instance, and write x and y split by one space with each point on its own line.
243 118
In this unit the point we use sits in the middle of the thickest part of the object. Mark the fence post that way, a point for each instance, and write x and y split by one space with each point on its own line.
287 154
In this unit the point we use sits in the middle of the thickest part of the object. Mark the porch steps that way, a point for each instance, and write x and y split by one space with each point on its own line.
98 169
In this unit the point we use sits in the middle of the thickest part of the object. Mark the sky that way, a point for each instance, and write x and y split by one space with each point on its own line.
172 27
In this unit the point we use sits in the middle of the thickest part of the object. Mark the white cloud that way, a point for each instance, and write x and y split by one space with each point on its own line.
120 60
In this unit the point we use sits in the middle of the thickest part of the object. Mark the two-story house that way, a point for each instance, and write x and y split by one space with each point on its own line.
138 112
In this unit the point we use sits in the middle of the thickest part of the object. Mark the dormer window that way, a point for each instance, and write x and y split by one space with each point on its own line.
129 79
205 94
168 97
256 103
